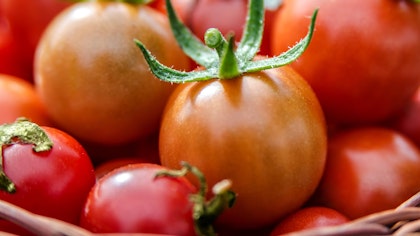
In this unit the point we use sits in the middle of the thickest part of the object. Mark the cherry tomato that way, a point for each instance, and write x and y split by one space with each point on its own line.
130 199
18 98
408 121
363 60
53 183
92 77
25 21
308 218
369 169
265 131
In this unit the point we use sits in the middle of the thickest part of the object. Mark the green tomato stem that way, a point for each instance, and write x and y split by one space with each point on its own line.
25 132
218 55
205 212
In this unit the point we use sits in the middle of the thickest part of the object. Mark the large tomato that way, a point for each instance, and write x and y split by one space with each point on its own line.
265 131
18 98
26 21
369 169
54 182
92 78
363 61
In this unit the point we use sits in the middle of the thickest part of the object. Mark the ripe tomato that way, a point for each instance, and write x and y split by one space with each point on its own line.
408 121
96 84
363 61
18 98
265 131
131 200
53 183
369 169
26 21
308 218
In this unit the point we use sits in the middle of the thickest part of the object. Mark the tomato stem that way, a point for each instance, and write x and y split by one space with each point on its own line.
205 212
219 56
25 132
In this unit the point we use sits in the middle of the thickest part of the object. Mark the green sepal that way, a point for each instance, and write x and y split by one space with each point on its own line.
190 44
25 132
287 57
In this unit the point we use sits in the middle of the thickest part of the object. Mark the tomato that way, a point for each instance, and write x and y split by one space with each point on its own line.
92 77
265 131
18 98
130 199
218 14
53 183
308 218
25 31
363 60
408 121
369 169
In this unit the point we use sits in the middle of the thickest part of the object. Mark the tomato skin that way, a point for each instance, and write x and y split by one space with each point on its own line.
131 200
18 98
54 183
369 169
363 59
308 218
260 130
101 91
25 32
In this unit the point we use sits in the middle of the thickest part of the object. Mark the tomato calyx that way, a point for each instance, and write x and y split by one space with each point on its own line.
25 132
205 212
218 55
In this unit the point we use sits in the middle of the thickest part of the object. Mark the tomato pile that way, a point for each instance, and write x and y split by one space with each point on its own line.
181 118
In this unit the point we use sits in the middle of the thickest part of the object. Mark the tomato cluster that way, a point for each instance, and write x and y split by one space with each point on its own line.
99 98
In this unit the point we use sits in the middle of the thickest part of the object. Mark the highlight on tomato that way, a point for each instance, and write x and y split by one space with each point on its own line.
91 77
44 170
363 62
252 120
369 169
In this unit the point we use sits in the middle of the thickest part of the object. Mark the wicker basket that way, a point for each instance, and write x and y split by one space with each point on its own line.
403 220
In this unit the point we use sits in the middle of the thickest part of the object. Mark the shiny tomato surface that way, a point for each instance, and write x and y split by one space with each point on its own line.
265 131
93 78
363 60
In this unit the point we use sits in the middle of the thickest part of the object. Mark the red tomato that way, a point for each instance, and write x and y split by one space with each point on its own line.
369 169
408 122
265 131
308 218
18 98
227 16
363 60
26 21
93 78
130 199
53 183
